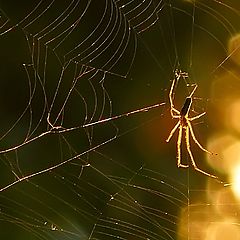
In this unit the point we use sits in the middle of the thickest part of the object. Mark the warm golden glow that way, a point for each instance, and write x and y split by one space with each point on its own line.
236 181
231 155
225 92
228 149
194 220
213 219
232 115
217 216
222 231
228 159
234 48
225 204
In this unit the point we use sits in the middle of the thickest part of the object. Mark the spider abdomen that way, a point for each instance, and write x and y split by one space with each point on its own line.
187 104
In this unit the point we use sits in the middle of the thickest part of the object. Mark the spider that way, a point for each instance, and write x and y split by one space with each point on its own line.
184 124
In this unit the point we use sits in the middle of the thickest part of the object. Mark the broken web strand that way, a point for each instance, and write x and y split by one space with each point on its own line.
62 130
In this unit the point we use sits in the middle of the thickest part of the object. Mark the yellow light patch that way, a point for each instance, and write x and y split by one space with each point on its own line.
236 181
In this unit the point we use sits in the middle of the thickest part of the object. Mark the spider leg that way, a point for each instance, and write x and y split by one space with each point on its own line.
170 95
191 156
174 112
179 73
194 89
196 141
173 131
179 164
196 117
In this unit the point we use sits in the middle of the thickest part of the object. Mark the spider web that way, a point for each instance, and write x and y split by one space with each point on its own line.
85 115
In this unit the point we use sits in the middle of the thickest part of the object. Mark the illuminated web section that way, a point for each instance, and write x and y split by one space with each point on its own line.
85 115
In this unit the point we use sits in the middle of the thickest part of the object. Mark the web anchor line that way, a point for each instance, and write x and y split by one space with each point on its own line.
123 115
61 129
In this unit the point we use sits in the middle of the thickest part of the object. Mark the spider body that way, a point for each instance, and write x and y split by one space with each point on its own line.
184 123
184 112
186 107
